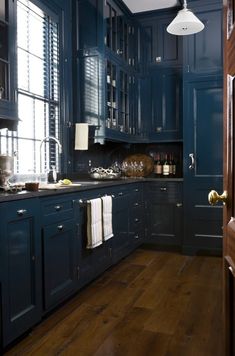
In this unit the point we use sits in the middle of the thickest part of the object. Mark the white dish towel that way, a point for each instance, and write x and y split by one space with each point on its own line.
94 223
107 217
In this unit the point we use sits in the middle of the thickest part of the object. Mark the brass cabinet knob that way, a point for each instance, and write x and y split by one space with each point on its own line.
214 197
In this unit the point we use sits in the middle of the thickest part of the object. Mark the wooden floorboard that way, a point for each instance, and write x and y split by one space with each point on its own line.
152 303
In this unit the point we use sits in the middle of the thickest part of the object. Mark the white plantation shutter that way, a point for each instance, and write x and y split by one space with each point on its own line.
38 90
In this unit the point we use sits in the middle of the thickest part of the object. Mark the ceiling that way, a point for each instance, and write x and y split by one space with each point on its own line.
147 5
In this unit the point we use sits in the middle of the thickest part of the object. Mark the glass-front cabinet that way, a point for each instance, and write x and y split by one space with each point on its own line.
118 99
8 108
119 33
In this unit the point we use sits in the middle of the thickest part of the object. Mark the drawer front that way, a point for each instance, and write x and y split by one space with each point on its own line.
57 210
165 191
59 227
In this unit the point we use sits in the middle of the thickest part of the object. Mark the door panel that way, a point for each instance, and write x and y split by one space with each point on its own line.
203 128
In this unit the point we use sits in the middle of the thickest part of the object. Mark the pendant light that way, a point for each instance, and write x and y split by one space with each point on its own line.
185 23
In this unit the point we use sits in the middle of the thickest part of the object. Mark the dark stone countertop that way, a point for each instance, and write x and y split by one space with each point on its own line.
89 185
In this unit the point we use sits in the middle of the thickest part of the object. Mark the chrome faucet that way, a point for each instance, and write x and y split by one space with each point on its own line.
45 139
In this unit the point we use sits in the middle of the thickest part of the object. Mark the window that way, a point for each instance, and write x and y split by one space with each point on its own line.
38 91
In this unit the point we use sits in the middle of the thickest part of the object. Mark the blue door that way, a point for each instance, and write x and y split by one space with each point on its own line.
203 166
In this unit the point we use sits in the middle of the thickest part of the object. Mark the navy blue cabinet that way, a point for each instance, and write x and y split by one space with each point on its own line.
137 217
162 49
8 75
121 240
203 52
166 95
60 250
203 163
92 262
164 213
20 267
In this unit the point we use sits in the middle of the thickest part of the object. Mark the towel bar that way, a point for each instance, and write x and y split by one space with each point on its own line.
84 202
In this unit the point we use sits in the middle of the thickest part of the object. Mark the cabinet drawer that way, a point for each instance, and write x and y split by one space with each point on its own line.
57 210
165 191
59 227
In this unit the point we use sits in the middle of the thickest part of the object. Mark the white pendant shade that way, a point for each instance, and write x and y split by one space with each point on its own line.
185 23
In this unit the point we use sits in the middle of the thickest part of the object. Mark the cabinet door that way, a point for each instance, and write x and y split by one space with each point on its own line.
166 105
164 213
92 262
8 106
91 76
167 48
61 270
203 164
204 52
20 263
90 24
121 241
162 49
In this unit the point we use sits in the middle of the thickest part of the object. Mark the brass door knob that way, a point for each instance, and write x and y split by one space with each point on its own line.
214 197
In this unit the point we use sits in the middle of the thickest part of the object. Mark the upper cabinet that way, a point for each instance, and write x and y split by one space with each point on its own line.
162 48
8 106
203 52
108 59
166 105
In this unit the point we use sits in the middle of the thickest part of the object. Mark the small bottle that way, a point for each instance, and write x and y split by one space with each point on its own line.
157 165
170 165
166 167
173 166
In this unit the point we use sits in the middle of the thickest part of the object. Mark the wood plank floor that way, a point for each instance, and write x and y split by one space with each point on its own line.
152 303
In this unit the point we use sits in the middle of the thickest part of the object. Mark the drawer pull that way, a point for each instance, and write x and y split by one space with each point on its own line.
137 220
163 189
21 212
179 205
60 227
58 207
136 204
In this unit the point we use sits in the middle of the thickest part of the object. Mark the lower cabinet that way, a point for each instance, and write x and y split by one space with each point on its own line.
137 220
121 239
61 270
20 267
60 250
164 213
92 262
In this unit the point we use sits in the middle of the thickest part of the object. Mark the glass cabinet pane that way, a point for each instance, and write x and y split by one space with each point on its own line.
3 41
4 80
3 10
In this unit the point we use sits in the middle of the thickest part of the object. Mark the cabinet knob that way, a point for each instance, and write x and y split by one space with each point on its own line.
119 51
163 189
136 236
136 190
60 227
137 220
120 194
159 129
179 205
58 207
21 212
158 59
136 204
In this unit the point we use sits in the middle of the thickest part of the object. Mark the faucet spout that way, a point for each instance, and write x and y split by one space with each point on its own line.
46 139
